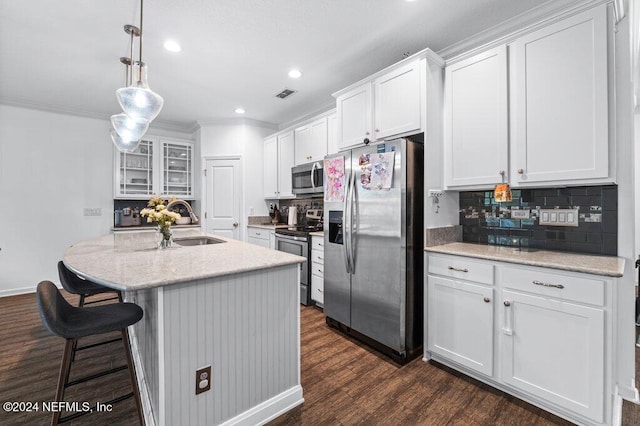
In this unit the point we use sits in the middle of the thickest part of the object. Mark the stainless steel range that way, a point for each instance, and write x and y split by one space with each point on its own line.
295 240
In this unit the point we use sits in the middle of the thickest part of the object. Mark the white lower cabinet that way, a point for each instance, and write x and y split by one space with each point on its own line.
460 323
317 269
554 350
258 236
538 333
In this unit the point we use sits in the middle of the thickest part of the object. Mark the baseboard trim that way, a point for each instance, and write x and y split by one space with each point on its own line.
616 416
269 409
17 291
147 413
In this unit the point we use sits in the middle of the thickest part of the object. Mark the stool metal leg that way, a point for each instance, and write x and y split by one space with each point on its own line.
65 368
132 372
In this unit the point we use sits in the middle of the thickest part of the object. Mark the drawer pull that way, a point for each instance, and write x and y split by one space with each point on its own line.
536 282
320 258
451 268
320 270
320 291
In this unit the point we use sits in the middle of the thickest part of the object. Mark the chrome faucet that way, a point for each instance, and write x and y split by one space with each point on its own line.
194 218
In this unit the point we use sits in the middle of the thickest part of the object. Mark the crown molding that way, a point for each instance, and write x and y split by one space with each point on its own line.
235 121
326 109
20 103
173 126
516 26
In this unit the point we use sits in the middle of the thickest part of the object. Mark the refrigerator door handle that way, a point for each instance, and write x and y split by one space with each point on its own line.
353 214
345 228
313 175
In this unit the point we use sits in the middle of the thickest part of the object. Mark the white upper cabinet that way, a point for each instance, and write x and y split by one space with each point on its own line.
550 127
332 134
158 166
270 168
476 120
311 141
176 168
354 116
387 105
559 101
397 101
278 160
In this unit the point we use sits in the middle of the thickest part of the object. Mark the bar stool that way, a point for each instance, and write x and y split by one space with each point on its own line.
70 322
84 288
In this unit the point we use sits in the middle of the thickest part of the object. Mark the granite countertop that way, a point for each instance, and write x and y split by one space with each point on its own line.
610 266
130 261
317 233
268 225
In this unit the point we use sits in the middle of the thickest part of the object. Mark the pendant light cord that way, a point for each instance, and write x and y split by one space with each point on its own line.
140 55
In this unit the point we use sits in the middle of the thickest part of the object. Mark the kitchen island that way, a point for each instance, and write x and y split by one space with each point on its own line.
231 305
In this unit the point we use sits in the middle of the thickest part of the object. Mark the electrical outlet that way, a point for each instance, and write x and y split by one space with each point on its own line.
436 193
203 379
520 214
96 211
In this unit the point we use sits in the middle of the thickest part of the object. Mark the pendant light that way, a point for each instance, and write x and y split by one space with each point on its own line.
127 130
137 100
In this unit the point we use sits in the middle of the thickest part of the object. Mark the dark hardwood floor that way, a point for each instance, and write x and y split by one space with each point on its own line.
344 382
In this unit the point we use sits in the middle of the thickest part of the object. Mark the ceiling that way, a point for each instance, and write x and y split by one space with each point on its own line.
64 55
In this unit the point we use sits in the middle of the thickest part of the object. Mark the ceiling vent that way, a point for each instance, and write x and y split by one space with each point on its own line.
285 93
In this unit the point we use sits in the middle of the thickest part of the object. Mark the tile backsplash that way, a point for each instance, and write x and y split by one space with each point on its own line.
487 221
303 204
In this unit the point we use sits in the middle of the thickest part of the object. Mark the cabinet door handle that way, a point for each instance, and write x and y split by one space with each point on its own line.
451 268
257 233
520 171
508 326
320 270
501 172
320 258
487 300
536 282
320 291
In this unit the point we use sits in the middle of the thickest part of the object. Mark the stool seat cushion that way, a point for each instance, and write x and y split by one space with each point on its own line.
65 320
76 285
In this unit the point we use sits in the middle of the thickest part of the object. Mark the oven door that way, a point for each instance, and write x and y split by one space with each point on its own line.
299 247
307 178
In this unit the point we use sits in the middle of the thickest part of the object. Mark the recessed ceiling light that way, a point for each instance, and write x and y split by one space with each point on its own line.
240 111
172 46
294 73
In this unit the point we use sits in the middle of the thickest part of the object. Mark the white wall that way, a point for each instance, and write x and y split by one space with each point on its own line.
52 166
245 140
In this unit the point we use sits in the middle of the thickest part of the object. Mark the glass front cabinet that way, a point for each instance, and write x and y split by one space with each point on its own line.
158 166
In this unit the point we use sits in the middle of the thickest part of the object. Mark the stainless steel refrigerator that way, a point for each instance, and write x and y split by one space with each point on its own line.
374 229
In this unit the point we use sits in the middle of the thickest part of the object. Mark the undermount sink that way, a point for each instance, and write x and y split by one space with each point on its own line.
197 241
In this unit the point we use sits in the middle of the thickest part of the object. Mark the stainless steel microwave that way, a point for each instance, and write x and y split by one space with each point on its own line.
308 178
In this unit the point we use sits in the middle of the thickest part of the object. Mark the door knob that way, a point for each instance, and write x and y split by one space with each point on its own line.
235 224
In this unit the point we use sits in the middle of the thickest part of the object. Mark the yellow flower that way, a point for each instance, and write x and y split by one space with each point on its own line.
160 207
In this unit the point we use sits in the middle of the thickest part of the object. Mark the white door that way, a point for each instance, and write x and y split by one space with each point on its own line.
460 323
476 120
554 350
354 116
270 173
223 197
397 101
285 163
560 101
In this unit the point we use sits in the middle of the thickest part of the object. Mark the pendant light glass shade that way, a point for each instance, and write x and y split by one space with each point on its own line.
129 128
124 145
137 100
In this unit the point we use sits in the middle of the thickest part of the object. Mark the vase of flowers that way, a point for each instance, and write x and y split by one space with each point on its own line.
157 212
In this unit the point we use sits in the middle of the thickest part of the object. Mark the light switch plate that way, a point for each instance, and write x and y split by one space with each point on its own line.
558 217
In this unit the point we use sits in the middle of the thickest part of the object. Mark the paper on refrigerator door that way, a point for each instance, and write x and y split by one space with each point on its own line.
334 185
376 170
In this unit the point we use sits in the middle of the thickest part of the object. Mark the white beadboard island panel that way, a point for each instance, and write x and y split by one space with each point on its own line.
246 326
